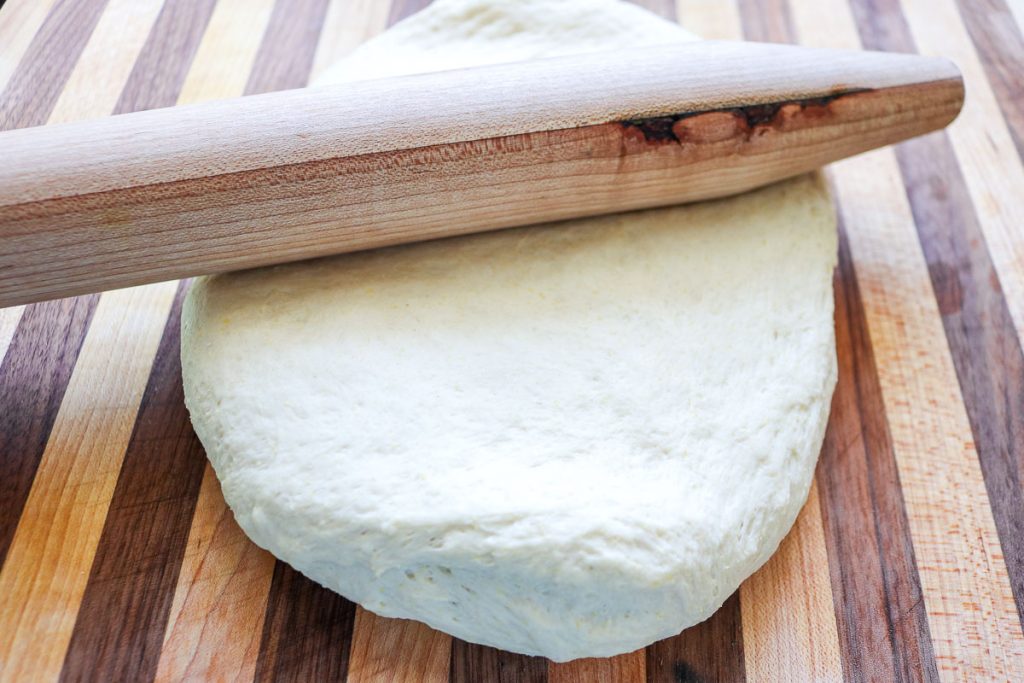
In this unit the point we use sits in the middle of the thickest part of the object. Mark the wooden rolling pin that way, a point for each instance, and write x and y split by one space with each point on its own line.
253 181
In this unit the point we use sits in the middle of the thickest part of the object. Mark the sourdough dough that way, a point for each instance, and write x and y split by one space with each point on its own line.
567 440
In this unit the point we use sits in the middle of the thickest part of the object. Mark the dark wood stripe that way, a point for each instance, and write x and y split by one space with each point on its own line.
663 8
162 65
882 623
33 378
766 21
39 78
982 339
121 621
709 651
307 631
286 53
400 9
471 663
997 38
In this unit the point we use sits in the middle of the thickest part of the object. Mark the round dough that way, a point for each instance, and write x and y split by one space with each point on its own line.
567 440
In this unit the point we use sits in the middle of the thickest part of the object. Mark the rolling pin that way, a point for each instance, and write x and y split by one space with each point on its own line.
234 184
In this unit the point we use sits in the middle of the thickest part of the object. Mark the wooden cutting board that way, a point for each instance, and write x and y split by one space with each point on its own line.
121 562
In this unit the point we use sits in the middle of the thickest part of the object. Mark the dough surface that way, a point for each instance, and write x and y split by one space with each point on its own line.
568 440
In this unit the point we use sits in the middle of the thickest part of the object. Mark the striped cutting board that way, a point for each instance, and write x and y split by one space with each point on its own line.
120 561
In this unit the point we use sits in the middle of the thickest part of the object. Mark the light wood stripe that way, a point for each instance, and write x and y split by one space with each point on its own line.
19 22
102 70
228 49
710 19
348 24
627 667
48 563
983 146
426 653
789 626
216 617
964 581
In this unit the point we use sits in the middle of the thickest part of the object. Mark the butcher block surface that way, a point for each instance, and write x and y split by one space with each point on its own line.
120 561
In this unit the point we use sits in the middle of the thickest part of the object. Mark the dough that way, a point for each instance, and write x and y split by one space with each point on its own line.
568 440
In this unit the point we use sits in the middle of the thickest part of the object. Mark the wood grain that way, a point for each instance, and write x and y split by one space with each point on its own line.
216 619
305 631
287 50
99 77
709 651
341 167
997 38
426 652
628 668
471 663
225 56
930 384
